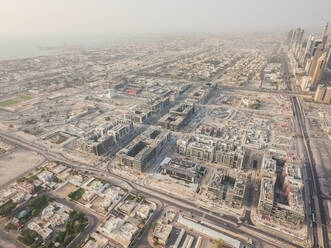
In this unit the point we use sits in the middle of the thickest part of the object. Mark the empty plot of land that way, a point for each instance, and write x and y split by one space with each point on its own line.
17 163
65 190
98 207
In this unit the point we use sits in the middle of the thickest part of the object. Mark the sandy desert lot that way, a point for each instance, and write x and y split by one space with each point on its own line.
64 191
17 163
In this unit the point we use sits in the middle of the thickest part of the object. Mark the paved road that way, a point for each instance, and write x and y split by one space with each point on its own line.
314 211
282 92
312 192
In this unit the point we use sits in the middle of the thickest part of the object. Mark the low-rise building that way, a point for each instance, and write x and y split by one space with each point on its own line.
143 211
139 114
202 94
211 149
235 196
143 148
283 204
18 198
143 113
177 117
180 169
268 167
127 207
25 186
119 230
266 201
162 232
228 188
96 241
44 232
45 176
104 137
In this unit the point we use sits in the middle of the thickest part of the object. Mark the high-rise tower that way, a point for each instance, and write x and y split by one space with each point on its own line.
316 55
299 43
295 39
325 35
320 50
320 66
308 50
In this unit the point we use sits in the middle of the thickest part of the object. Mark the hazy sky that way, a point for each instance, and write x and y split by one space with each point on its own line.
159 16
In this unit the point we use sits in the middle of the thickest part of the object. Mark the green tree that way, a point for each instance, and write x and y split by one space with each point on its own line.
219 243
7 208
153 226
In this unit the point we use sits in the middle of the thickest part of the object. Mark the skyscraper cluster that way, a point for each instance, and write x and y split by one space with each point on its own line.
312 54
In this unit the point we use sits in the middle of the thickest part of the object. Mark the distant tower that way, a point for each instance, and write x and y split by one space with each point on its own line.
320 66
325 35
299 42
292 38
295 38
318 52
310 43
289 36
308 50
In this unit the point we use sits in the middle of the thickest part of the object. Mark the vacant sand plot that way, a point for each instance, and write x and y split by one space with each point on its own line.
97 206
17 163
64 191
